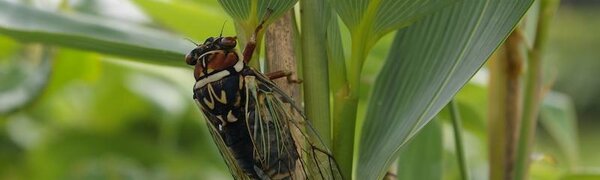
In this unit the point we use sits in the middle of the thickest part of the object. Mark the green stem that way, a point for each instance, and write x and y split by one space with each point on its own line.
314 65
344 125
458 140
533 88
345 108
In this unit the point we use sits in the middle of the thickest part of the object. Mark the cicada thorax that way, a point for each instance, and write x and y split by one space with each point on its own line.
217 60
222 93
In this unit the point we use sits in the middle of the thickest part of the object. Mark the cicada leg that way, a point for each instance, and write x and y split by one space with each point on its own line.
283 73
251 45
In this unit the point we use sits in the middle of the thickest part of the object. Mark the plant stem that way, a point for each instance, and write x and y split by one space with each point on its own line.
533 87
458 140
345 108
281 56
280 53
344 116
392 173
505 107
314 65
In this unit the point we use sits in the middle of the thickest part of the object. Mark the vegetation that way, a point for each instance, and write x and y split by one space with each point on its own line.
86 94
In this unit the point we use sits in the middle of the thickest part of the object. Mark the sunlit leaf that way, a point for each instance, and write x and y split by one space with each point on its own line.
429 62
195 20
92 33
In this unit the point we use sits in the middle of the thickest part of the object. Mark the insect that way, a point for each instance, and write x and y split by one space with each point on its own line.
251 120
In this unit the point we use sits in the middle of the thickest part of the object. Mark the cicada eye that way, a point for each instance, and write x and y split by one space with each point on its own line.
189 59
228 42
209 40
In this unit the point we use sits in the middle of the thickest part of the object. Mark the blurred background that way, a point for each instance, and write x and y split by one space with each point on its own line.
74 114
573 63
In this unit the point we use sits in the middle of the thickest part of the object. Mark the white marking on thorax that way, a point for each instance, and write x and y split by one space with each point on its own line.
211 78
239 65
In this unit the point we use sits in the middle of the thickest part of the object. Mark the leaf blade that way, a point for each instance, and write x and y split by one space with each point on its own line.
432 60
195 20
92 33
375 18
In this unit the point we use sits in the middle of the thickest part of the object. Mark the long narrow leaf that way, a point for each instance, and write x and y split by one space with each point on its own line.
195 20
429 62
91 33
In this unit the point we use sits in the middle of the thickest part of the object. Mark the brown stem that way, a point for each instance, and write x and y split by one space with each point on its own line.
280 53
505 107
514 97
281 57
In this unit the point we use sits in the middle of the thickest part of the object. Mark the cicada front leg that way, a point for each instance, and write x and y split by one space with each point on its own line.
251 44
283 73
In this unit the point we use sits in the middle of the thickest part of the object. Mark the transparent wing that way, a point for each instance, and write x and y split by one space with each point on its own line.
234 168
293 136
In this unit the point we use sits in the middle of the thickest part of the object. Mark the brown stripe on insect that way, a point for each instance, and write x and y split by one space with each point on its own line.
216 61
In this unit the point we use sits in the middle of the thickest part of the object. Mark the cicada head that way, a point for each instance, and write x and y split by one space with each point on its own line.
211 44
215 54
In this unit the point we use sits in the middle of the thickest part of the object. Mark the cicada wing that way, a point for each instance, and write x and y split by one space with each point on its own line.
315 160
234 168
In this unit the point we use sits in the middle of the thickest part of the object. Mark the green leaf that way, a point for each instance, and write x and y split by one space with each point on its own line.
92 33
335 55
557 116
429 62
374 18
422 157
195 20
249 13
24 77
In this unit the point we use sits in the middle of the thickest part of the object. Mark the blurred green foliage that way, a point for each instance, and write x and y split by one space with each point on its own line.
102 118
574 62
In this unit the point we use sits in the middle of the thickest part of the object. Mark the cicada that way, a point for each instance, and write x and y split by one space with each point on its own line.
259 130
